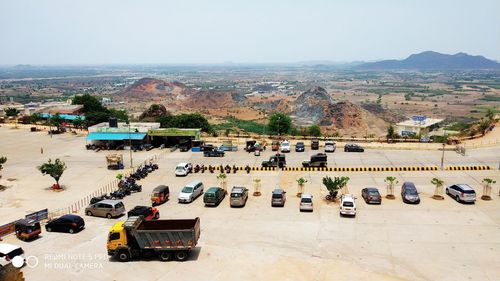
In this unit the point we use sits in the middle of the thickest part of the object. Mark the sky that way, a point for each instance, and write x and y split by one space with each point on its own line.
258 31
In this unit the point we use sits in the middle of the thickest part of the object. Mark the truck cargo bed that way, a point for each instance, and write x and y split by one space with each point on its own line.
164 234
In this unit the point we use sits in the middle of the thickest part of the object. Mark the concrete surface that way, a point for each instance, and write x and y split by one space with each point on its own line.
435 240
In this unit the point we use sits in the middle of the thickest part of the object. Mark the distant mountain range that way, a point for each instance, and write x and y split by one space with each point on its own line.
434 61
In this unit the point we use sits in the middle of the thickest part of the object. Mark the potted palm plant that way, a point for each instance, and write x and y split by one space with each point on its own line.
391 181
487 183
256 186
301 182
222 177
438 191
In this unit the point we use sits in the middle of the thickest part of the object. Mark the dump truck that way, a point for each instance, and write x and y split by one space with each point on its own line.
114 161
166 239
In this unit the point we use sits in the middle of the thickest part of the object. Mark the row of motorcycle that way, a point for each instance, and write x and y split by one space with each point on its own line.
227 169
129 184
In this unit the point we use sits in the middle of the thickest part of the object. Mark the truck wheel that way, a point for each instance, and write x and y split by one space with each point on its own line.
123 256
165 256
181 255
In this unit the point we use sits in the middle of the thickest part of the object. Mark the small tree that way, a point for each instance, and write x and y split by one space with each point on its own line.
333 185
78 123
280 123
222 177
301 182
119 176
487 183
438 191
256 186
54 169
390 132
490 114
314 131
391 181
12 112
3 160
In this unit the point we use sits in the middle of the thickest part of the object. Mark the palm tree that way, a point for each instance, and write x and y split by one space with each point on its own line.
391 181
301 182
333 185
487 183
438 191
222 177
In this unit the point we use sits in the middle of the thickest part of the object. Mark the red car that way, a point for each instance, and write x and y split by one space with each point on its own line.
149 213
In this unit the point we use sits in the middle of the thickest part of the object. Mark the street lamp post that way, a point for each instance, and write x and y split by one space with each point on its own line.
442 158
130 145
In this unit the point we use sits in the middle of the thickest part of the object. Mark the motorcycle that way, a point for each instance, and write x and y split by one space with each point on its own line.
228 169
196 168
202 168
247 168
235 169
211 169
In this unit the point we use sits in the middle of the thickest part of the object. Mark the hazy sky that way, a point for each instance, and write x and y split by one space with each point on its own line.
212 31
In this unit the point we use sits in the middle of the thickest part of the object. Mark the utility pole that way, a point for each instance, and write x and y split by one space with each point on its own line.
278 168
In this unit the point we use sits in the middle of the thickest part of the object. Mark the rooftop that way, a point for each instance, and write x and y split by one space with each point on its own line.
422 123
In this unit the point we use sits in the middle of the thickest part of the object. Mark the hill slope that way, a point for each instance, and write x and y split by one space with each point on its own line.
435 61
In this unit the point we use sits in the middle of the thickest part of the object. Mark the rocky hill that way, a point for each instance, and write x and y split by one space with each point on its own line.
147 89
435 61
315 106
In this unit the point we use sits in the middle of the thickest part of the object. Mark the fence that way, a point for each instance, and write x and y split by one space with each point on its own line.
108 188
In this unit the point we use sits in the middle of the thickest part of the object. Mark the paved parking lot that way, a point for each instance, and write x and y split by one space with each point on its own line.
436 240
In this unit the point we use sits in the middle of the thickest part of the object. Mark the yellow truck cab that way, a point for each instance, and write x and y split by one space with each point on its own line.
116 237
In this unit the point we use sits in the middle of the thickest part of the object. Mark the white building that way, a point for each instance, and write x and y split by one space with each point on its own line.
417 126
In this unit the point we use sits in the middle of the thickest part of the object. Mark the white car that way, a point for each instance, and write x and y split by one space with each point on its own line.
330 146
347 205
183 169
190 192
306 203
285 146
8 252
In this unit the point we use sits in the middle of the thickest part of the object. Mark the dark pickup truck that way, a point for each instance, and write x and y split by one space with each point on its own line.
277 160
213 152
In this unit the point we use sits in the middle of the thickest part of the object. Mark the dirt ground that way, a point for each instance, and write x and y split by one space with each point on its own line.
435 240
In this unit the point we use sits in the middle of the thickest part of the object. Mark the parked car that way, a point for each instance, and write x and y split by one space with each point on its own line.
461 193
371 195
315 144
213 196
239 196
330 146
347 205
9 252
214 152
300 147
285 146
306 203
149 213
277 160
184 145
275 145
278 197
250 146
183 169
351 147
66 223
106 208
27 229
409 193
190 192
317 160
160 195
